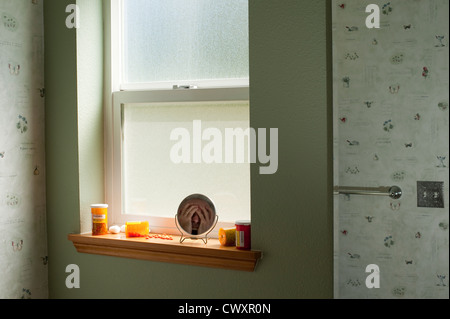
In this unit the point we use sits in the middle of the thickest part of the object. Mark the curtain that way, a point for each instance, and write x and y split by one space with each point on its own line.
23 244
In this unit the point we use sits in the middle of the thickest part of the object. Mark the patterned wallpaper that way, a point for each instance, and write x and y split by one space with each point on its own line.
23 246
391 127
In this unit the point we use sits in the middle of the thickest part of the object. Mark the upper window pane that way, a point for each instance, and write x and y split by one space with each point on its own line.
183 40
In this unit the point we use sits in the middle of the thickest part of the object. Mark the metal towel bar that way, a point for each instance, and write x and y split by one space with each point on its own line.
393 192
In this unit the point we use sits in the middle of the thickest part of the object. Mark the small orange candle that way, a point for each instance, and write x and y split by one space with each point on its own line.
227 236
137 229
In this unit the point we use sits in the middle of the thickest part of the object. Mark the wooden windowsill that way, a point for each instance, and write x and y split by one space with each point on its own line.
190 252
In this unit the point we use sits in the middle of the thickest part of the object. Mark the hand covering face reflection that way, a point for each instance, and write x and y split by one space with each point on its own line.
196 216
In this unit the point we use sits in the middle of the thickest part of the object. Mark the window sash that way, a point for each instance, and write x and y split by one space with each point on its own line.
115 9
157 224
168 85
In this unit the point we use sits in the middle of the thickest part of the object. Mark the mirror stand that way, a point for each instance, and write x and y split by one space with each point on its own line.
203 236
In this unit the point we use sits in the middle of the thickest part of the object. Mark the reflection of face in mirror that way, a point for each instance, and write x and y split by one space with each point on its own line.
196 216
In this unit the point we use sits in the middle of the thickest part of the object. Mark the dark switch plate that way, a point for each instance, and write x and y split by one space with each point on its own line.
430 194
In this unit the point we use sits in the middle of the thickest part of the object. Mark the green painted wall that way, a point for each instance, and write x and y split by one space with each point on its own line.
61 143
291 211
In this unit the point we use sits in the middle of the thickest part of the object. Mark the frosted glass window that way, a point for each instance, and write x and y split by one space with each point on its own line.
153 184
182 40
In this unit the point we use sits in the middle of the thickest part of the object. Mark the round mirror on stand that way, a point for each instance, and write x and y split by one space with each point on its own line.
196 217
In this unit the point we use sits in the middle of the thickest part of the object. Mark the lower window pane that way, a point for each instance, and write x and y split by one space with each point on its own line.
173 150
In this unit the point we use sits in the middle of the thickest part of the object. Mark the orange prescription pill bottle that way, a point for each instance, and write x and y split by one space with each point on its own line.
137 229
99 219
243 234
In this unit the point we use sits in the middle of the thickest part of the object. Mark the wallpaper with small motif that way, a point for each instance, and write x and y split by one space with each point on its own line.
23 245
391 127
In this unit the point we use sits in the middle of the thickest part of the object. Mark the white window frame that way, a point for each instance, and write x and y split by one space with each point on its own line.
118 94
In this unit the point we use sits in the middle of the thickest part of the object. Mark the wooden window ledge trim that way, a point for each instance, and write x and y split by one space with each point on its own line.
190 252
